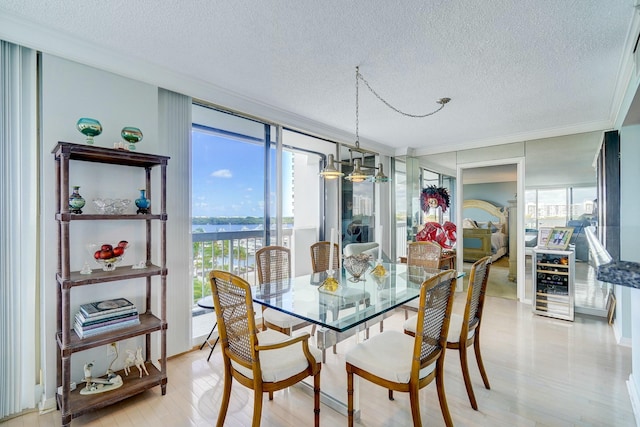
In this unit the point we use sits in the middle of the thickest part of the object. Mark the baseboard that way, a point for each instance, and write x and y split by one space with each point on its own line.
635 399
47 405
620 340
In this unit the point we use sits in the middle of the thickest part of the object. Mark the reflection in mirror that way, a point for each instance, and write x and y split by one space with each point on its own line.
358 201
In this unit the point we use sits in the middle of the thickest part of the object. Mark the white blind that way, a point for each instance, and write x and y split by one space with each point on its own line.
19 331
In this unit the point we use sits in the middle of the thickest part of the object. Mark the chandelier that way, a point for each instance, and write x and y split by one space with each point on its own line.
358 175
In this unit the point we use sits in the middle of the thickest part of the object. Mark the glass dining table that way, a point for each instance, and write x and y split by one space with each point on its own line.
351 307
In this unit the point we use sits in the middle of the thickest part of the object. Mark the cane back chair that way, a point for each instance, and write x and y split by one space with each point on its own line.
264 362
399 362
421 254
465 330
274 269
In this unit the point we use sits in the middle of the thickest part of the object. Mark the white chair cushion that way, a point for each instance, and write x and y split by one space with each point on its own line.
280 364
370 248
455 326
387 355
280 319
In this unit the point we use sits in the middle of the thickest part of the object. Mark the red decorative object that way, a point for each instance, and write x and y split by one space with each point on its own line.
445 235
109 255
433 196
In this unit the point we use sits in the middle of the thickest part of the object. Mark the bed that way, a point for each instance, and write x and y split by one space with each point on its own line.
485 230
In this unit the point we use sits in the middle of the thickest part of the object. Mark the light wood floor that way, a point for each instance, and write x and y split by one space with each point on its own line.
543 372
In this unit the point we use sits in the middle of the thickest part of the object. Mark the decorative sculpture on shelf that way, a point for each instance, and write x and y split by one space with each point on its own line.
129 361
100 385
140 362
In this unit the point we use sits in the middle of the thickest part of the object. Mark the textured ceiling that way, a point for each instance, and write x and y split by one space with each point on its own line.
515 70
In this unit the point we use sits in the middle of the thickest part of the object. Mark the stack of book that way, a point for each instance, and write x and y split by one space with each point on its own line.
102 316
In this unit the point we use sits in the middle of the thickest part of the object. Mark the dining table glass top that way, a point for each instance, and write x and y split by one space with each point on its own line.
352 303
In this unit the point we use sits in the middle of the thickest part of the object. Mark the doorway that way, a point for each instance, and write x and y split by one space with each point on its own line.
516 238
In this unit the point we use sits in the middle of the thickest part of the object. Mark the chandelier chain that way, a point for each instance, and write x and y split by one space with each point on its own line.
441 101
357 108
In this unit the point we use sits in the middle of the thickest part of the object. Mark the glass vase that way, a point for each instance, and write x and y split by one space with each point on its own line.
76 201
89 128
143 203
132 135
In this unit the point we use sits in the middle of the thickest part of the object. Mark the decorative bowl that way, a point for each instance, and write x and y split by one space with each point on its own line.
356 265
89 128
111 206
132 135
108 255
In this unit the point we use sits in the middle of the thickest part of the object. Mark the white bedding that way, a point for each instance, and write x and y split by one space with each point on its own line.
498 240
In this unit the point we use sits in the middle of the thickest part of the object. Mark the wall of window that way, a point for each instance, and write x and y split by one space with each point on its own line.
554 207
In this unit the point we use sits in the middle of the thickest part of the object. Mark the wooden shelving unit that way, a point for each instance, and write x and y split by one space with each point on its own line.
71 403
553 283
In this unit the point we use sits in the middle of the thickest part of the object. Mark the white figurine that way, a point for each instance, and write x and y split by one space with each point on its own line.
87 372
129 361
140 362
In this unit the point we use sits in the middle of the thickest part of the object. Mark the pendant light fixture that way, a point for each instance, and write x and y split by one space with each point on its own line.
357 175
330 171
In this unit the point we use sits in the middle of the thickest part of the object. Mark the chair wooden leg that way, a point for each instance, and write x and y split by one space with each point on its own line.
349 397
414 399
335 349
441 394
464 364
382 326
270 395
391 394
226 394
316 399
483 373
257 407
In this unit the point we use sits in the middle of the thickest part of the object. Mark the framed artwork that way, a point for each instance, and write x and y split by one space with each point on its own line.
559 238
543 236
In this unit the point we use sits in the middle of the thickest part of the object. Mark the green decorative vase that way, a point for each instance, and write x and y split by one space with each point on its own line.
132 136
76 201
89 128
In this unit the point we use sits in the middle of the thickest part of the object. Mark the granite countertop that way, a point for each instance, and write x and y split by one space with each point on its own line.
624 273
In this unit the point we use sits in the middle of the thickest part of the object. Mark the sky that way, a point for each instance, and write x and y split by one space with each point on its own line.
227 177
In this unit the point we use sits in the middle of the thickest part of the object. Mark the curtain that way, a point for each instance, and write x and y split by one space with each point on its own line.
19 229
174 130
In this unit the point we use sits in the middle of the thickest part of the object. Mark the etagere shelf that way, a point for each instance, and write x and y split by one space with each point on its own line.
71 403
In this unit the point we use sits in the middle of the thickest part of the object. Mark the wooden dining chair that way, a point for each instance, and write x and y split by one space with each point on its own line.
421 254
399 362
274 268
320 253
465 330
264 362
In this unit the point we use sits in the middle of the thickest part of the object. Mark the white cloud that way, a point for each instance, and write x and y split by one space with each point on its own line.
222 173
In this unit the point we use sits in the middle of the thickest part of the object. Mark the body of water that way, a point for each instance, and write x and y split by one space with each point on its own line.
214 228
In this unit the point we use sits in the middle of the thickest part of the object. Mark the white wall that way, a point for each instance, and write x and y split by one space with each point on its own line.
70 91
629 238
